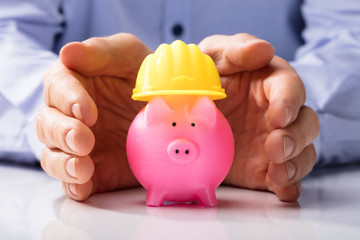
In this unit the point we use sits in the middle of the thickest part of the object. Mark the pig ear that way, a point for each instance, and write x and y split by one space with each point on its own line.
204 108
156 110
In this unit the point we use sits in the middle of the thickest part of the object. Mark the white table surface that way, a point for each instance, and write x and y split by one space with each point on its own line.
33 206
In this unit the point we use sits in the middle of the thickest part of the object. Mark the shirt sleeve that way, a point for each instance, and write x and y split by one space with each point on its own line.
328 63
27 32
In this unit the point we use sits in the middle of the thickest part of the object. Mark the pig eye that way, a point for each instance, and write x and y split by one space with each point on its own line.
193 124
173 124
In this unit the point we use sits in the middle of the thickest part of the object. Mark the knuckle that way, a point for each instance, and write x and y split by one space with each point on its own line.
302 90
130 37
39 126
205 42
312 154
46 92
316 122
54 134
51 91
61 167
49 80
302 140
95 41
244 36
312 120
49 162
58 133
43 160
58 92
311 113
49 72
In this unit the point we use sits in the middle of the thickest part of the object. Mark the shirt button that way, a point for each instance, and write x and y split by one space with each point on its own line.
177 30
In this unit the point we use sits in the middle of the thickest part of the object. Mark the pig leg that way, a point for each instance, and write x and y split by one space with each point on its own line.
206 197
154 198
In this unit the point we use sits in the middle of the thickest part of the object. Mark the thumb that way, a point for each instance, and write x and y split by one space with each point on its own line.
237 53
118 55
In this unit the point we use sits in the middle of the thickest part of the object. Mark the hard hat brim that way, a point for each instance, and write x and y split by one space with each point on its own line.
146 96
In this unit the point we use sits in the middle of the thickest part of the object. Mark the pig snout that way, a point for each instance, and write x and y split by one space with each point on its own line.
182 150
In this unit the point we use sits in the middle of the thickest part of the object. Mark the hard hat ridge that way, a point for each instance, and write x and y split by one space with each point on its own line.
178 69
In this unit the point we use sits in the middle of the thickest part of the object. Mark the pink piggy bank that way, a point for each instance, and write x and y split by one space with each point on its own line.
180 148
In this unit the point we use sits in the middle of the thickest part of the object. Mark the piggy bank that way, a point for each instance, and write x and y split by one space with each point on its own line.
180 147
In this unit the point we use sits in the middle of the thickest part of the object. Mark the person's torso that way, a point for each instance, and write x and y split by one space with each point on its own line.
158 21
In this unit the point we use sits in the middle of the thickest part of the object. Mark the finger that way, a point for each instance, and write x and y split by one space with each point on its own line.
64 91
66 167
293 170
57 130
78 192
286 143
285 92
288 194
236 53
117 55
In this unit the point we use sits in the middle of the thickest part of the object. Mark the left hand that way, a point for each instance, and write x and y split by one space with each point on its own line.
88 112
273 130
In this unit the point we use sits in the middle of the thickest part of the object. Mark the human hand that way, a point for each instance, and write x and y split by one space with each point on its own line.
273 130
88 96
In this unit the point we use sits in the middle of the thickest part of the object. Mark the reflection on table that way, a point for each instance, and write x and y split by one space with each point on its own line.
34 205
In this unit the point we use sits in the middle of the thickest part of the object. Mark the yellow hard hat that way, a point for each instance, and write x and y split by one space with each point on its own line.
178 69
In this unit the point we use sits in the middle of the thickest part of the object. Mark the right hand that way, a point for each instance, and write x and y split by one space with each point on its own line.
273 130
88 96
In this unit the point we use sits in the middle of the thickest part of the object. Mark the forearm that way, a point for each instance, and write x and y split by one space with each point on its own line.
21 72
335 96
328 65
25 46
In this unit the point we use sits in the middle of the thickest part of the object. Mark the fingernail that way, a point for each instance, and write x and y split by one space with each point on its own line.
70 167
70 140
72 189
288 146
76 111
291 170
289 114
